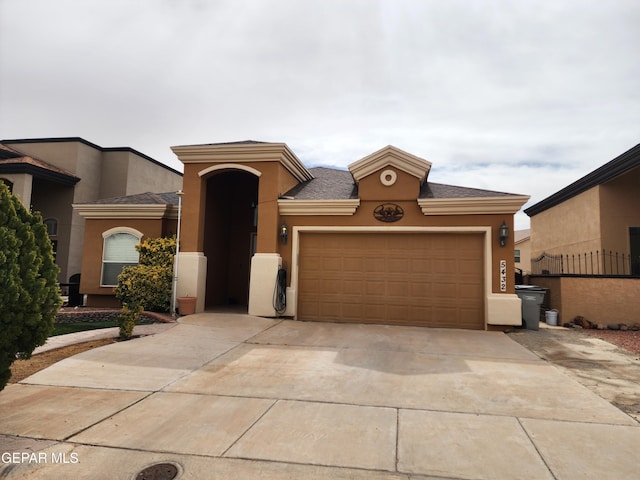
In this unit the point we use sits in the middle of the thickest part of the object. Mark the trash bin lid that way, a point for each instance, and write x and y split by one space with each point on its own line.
529 287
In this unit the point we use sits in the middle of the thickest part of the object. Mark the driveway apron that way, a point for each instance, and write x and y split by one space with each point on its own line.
230 396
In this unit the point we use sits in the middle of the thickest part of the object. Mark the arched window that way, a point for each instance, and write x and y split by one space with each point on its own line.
119 251
8 183
52 226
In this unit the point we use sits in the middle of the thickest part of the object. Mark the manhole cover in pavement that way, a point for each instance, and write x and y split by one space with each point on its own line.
159 471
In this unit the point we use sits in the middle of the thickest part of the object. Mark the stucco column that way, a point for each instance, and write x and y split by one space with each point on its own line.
22 187
264 270
504 309
192 277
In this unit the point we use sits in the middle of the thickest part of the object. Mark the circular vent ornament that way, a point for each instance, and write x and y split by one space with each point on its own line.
388 178
388 212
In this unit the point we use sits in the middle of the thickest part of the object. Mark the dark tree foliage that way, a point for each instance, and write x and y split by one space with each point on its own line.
29 293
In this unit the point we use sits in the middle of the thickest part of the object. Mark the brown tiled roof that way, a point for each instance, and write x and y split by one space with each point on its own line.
440 190
147 198
327 184
14 161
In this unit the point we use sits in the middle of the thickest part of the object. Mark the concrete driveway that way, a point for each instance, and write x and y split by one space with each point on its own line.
230 396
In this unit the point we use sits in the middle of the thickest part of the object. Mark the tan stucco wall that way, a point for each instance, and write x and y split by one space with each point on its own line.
620 207
600 300
114 173
22 186
61 154
406 187
570 227
125 173
145 176
53 201
273 182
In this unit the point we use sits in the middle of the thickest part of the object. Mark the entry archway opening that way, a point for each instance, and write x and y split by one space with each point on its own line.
231 225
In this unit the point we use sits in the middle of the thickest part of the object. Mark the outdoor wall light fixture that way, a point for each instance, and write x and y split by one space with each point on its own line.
284 233
503 234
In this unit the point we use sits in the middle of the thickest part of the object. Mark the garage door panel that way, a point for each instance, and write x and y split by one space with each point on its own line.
469 267
411 279
353 287
419 290
313 264
398 265
353 265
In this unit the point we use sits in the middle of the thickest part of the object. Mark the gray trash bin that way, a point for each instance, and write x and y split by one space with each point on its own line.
532 297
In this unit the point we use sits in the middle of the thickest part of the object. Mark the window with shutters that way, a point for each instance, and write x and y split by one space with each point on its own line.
119 251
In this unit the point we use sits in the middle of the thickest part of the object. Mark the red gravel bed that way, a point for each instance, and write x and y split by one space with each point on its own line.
626 339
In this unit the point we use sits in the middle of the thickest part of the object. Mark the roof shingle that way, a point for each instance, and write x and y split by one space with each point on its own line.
147 198
334 184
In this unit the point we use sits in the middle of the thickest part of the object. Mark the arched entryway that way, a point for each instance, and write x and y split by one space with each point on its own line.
231 223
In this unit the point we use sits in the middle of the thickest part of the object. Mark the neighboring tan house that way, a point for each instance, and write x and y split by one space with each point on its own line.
377 243
585 244
113 228
592 225
51 174
522 250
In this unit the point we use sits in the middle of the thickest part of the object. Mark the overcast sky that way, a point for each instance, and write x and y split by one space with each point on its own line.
518 96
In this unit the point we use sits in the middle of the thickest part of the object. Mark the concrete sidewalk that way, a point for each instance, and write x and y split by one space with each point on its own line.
230 396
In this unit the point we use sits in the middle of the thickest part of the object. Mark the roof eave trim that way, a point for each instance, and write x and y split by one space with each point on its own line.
120 211
39 172
472 206
610 170
318 207
390 155
244 153
92 145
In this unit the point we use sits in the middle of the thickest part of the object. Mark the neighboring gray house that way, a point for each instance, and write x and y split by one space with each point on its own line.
51 174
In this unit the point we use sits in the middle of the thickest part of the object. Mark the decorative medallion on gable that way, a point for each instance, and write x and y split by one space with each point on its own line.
389 174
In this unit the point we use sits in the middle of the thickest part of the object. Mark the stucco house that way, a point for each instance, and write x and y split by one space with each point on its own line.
377 243
113 228
585 244
51 174
592 220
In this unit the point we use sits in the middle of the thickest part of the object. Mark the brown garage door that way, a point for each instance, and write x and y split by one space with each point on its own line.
426 279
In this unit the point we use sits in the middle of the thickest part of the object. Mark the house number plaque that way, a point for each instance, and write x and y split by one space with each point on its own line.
503 275
388 212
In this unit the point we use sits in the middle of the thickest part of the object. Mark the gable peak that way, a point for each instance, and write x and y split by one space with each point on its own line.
390 155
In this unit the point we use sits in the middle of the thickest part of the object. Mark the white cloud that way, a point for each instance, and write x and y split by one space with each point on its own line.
520 96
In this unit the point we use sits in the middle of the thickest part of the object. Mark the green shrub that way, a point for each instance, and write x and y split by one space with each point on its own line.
149 286
157 251
149 283
29 293
127 320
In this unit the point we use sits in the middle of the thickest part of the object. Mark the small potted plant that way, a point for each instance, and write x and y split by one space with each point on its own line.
187 305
